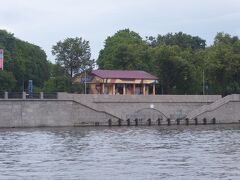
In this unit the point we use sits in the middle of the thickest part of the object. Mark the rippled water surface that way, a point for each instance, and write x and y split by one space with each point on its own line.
193 152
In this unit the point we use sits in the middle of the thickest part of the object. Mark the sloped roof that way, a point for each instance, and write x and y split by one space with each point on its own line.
123 74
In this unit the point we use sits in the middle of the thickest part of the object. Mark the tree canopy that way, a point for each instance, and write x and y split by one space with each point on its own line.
181 61
73 54
24 61
223 64
124 50
7 81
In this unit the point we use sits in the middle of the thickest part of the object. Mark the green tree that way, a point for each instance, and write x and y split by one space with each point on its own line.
171 57
173 70
124 50
26 61
7 81
181 39
223 64
57 84
59 81
73 54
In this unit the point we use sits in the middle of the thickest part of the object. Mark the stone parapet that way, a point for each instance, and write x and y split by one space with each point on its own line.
108 110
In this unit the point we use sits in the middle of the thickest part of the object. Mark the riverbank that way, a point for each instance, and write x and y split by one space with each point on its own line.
119 110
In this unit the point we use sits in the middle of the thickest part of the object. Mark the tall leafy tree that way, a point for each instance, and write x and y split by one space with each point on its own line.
181 39
223 64
124 50
24 60
73 54
173 70
7 81
60 82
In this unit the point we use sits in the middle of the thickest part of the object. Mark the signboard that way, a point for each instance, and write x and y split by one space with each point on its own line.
86 79
1 59
30 88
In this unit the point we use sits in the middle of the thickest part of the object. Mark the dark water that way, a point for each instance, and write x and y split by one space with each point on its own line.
201 152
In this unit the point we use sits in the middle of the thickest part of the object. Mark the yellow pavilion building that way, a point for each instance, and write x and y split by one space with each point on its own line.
124 82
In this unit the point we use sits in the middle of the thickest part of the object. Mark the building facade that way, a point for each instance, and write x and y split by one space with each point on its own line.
118 82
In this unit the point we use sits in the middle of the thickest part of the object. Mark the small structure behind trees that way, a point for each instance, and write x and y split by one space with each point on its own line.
118 82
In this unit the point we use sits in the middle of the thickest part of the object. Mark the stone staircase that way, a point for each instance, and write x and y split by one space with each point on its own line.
213 106
88 101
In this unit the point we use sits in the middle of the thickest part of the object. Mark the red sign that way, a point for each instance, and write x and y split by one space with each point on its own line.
1 59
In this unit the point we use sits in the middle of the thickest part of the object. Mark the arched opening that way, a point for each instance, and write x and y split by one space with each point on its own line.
148 113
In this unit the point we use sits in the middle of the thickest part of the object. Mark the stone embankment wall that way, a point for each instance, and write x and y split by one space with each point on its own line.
143 108
224 110
47 113
84 110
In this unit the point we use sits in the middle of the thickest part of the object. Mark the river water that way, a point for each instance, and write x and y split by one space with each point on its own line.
186 152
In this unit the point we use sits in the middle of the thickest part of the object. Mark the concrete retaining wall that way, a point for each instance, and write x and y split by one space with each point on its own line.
225 110
143 107
23 113
47 113
84 110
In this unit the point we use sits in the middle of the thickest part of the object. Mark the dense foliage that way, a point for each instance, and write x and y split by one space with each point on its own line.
7 81
22 61
59 81
182 62
73 54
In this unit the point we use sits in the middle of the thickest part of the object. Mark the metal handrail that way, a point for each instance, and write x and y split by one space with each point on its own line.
33 96
2 95
15 95
24 95
50 96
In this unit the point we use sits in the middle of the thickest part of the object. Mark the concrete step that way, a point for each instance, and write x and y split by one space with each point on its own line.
213 106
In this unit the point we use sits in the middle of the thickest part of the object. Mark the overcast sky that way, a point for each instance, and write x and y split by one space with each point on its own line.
44 22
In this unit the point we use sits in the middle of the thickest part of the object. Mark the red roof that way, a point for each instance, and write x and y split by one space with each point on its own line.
123 74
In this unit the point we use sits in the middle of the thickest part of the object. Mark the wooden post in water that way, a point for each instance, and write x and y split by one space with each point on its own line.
158 121
119 122
128 122
136 122
178 121
214 120
196 121
204 121
109 122
149 122
168 121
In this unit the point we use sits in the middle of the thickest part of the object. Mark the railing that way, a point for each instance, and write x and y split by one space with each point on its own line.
49 95
23 95
33 96
2 95
15 95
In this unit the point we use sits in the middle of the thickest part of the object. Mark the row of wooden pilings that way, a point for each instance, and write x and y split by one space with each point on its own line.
159 122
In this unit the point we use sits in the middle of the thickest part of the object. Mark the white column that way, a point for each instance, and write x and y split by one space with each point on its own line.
134 89
154 91
24 95
113 90
5 95
144 89
103 88
41 95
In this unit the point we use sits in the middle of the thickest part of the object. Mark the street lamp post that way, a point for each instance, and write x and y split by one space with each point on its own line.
85 85
203 82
